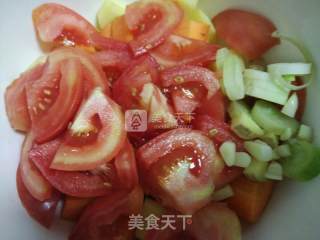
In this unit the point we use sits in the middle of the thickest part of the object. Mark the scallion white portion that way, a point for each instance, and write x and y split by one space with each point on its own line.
283 150
274 171
259 150
228 153
305 133
291 106
223 193
243 159
297 69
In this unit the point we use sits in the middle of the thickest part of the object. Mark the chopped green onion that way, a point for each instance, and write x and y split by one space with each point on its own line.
259 85
243 159
257 67
286 135
109 10
291 107
305 133
289 78
275 155
259 150
283 150
232 80
228 153
223 193
256 170
274 171
297 69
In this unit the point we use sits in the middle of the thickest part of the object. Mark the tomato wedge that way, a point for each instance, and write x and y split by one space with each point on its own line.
177 50
108 130
54 98
33 180
42 211
248 33
77 184
114 62
177 168
184 74
214 107
126 167
73 207
151 22
108 216
218 131
126 89
55 23
16 100
215 221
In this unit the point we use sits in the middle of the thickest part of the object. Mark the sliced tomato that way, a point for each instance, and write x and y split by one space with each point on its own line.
33 180
55 23
250 198
215 107
215 221
42 211
160 113
184 74
218 131
248 33
108 130
77 184
177 168
126 167
54 98
73 207
302 97
151 22
126 89
16 100
177 50
108 216
114 62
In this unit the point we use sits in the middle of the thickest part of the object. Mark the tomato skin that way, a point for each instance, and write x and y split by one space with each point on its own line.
77 184
16 100
163 15
246 32
125 164
215 107
46 125
184 74
42 212
177 165
177 50
110 135
32 179
126 89
55 23
224 133
108 216
73 207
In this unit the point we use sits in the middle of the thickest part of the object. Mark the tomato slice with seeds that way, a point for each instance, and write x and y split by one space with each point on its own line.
177 167
177 50
77 184
114 62
248 33
16 100
109 216
109 135
33 180
54 98
184 74
218 131
151 22
55 23
126 89
42 211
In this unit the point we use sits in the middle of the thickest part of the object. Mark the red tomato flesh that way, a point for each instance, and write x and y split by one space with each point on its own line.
151 21
177 50
42 211
248 33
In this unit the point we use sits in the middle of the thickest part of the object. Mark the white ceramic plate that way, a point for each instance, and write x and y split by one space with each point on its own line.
294 211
